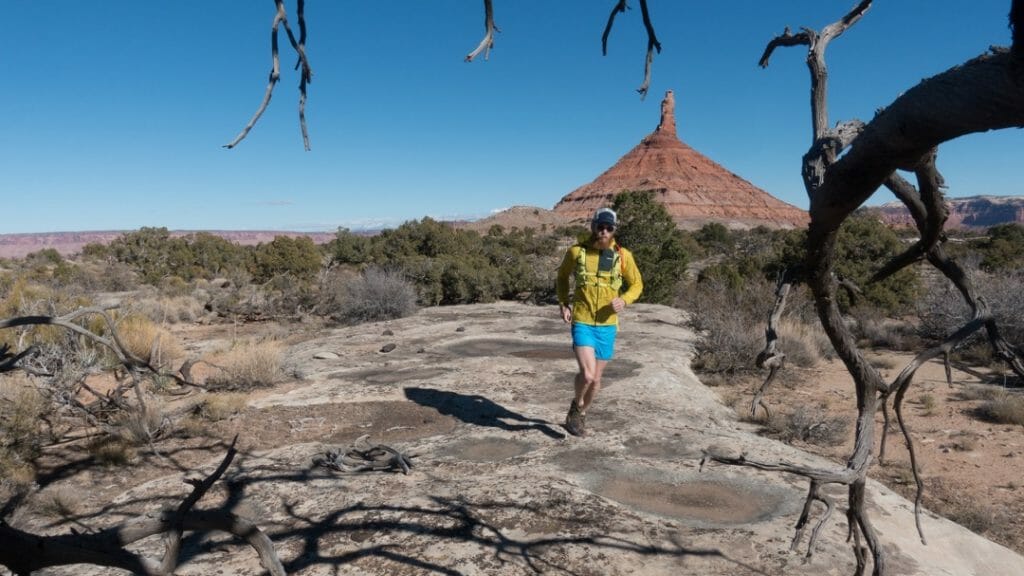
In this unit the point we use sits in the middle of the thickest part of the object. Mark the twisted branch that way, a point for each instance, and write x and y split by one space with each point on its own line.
652 40
770 357
281 18
488 40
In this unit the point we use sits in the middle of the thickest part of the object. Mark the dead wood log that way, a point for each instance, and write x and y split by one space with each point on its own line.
364 456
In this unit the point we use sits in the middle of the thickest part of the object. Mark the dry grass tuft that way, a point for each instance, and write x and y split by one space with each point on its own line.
61 502
928 404
1005 408
111 451
171 309
804 344
140 427
216 407
248 365
147 341
812 425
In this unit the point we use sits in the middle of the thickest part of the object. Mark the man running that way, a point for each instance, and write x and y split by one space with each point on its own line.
600 268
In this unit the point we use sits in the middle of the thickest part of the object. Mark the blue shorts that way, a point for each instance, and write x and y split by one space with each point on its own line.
600 338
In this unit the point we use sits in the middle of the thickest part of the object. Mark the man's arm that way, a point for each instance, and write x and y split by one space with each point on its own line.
562 285
632 278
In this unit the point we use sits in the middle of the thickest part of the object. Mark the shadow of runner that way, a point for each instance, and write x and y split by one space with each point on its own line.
476 409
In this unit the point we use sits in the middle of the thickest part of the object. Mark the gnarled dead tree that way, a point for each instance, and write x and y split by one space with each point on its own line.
986 93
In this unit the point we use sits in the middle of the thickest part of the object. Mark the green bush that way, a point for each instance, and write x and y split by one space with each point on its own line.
298 258
1003 250
647 230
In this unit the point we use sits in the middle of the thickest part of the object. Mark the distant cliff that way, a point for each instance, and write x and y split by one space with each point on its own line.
969 212
67 243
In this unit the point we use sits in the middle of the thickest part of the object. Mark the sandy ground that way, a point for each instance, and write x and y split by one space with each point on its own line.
970 467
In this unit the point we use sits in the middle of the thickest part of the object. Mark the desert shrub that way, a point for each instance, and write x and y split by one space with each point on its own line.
1004 408
874 329
170 309
248 364
1003 249
111 451
808 424
174 286
22 408
804 343
60 502
724 318
349 248
647 230
147 341
374 295
139 426
928 404
297 258
974 392
215 407
863 244
715 238
943 310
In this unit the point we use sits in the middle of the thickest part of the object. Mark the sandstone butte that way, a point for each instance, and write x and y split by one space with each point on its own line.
692 187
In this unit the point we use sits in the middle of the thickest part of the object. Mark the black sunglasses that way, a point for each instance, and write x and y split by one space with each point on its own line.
604 228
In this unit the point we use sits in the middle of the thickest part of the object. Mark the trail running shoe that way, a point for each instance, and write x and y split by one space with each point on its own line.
574 420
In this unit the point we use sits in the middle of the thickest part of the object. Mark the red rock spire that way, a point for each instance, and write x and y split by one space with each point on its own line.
668 115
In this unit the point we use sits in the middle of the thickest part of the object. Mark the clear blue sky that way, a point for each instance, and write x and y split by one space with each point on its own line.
114 112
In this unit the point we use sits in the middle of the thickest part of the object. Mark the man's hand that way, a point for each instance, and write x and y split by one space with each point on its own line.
618 304
566 313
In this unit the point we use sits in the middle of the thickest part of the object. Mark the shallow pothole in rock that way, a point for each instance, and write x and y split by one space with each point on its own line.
716 503
510 347
386 376
619 370
548 353
676 447
488 449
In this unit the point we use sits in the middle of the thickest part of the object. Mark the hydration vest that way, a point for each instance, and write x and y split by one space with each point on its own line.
602 279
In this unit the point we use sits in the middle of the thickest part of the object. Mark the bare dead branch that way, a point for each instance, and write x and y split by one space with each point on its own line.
652 40
770 357
786 39
620 7
652 45
488 40
306 75
814 495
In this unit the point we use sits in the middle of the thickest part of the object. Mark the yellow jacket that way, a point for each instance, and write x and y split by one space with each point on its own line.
592 304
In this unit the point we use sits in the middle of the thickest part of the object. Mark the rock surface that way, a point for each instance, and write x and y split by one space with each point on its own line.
498 488
693 188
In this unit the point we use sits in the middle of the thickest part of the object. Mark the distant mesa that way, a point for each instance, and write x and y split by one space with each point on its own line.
967 212
521 217
68 243
693 188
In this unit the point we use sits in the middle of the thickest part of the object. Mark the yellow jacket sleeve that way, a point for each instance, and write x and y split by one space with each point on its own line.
630 276
565 271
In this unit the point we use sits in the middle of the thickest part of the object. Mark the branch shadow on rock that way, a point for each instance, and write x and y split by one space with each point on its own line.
456 520
478 410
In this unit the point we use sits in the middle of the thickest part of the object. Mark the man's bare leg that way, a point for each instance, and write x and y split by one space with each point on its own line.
594 388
